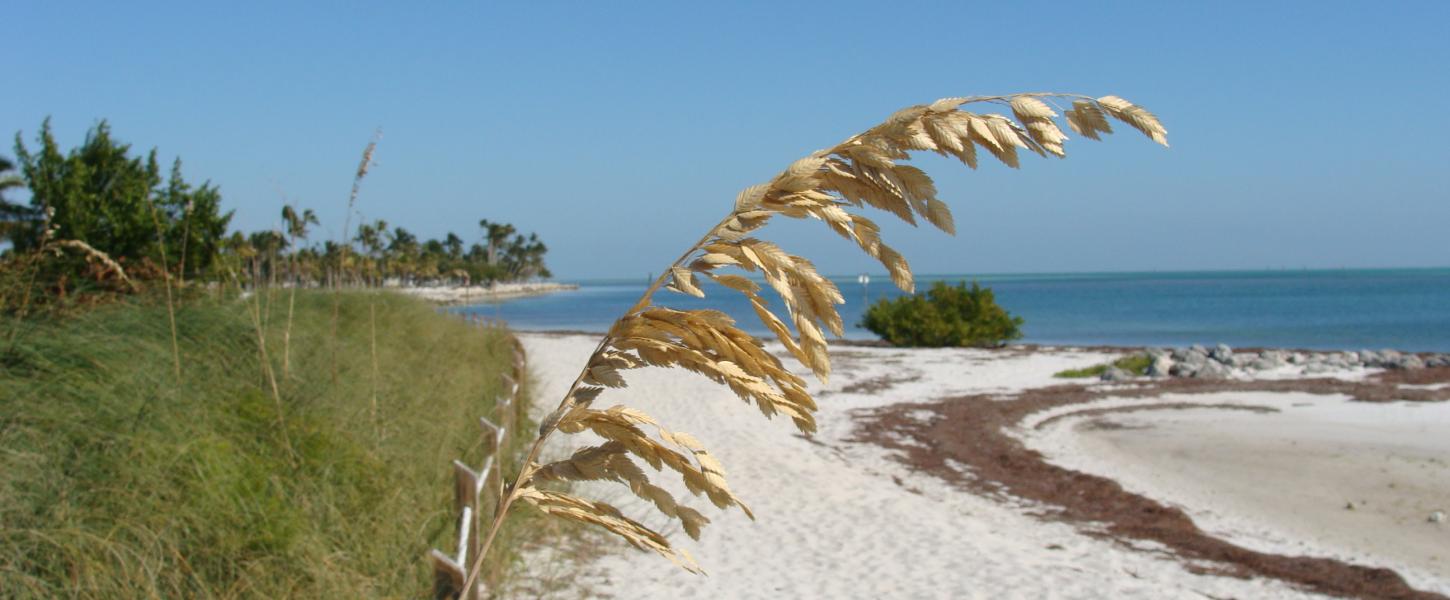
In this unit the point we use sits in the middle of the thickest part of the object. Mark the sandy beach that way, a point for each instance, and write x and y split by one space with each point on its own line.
875 506
1316 474
459 294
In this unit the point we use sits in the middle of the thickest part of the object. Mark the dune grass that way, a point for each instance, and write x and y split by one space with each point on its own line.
116 481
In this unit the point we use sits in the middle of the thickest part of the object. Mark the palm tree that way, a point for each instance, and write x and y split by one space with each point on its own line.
297 223
454 245
495 234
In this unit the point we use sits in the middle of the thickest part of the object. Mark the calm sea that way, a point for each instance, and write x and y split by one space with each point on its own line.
1406 309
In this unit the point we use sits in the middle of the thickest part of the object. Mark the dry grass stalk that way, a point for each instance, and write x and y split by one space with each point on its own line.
362 171
267 372
865 170
373 352
93 254
166 281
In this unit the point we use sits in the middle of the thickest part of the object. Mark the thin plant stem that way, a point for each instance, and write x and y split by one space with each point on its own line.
287 332
270 376
166 282
185 236
373 333
526 470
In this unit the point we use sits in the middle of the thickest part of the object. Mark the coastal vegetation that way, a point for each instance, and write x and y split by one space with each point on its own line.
102 221
190 413
120 480
945 316
1134 364
865 169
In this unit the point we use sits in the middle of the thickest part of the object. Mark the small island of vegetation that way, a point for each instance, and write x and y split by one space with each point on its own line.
946 315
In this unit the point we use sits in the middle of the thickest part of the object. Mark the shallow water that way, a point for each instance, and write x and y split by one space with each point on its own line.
1407 309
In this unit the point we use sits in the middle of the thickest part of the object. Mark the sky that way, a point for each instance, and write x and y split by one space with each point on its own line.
1304 134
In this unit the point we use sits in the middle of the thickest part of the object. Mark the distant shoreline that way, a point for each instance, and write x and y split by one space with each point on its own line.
450 295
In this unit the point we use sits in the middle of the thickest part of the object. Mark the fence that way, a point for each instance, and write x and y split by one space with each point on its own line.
475 490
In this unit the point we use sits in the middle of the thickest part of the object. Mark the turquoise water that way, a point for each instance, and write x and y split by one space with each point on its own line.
1406 309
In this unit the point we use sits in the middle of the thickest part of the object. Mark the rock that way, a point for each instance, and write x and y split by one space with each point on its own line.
1438 360
1162 366
1183 369
1116 374
1408 361
1222 353
1296 358
1437 517
1352 357
1240 361
1369 358
1157 352
1271 359
1198 349
1264 364
1212 370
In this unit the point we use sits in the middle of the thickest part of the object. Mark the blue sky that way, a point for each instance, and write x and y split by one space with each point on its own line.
1304 134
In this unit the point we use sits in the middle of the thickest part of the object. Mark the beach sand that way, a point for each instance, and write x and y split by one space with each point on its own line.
842 517
458 294
1320 475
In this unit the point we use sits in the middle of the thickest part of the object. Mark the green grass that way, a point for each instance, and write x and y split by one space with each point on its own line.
1136 364
118 482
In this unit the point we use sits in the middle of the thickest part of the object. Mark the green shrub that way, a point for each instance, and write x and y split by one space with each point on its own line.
1136 364
946 315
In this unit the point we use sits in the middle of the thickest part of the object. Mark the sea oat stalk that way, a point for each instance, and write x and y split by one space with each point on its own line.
866 169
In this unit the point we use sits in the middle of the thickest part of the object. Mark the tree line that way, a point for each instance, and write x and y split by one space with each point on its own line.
153 223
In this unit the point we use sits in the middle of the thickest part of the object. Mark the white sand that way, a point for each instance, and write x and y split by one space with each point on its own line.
458 294
1283 482
839 519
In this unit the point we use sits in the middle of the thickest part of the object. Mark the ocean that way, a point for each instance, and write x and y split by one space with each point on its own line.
1404 309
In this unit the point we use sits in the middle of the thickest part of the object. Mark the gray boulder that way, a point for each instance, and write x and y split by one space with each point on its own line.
1407 361
1194 357
1438 360
1183 369
1222 353
1369 358
1211 370
1277 358
1264 364
1162 366
1116 374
